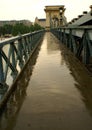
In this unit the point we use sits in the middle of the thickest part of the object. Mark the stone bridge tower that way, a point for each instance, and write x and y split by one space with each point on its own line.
55 16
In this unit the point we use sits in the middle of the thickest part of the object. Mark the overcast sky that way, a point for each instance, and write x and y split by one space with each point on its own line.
29 9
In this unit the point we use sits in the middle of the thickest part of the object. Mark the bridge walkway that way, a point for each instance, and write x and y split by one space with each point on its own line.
54 93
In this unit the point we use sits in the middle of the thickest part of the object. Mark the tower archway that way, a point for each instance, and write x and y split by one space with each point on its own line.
54 16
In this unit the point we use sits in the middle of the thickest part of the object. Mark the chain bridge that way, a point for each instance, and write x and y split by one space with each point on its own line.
46 77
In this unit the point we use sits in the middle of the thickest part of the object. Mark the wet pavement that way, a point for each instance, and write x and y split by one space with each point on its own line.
54 92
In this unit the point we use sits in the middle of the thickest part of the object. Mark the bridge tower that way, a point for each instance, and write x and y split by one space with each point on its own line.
55 16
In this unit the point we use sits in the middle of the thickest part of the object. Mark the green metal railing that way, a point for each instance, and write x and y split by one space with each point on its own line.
14 54
78 40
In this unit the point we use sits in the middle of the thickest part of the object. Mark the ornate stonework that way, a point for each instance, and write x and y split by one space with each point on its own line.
54 16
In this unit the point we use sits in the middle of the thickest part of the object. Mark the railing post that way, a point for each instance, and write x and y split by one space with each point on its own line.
3 85
72 42
64 37
1 69
13 56
86 50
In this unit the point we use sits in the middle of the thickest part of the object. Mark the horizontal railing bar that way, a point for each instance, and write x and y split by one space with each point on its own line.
78 31
10 40
73 27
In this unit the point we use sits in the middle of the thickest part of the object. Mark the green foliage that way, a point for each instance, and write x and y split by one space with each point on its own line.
6 29
18 28
2 30
37 27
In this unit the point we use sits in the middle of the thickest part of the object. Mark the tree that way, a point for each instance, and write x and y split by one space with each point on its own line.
37 27
18 28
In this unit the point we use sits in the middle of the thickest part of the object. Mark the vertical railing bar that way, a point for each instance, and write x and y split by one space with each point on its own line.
1 68
6 67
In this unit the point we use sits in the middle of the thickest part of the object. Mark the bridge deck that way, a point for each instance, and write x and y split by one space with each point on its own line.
57 95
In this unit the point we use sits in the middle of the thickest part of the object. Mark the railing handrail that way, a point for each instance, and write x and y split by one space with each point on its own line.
18 53
75 27
78 40
9 40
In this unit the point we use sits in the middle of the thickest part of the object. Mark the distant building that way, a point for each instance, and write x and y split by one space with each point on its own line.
13 22
41 22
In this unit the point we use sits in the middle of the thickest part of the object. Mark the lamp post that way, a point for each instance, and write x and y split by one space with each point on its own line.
63 21
60 12
91 10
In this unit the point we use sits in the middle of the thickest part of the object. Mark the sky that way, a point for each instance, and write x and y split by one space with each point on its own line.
29 9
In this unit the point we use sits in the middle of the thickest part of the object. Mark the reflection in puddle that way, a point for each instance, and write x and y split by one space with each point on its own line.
82 76
9 116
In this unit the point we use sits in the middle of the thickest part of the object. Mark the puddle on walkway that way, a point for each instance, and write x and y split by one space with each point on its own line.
54 93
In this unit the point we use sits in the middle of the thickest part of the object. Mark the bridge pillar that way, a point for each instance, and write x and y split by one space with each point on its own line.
54 16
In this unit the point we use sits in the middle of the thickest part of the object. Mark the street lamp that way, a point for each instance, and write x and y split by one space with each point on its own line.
60 12
91 10
63 20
